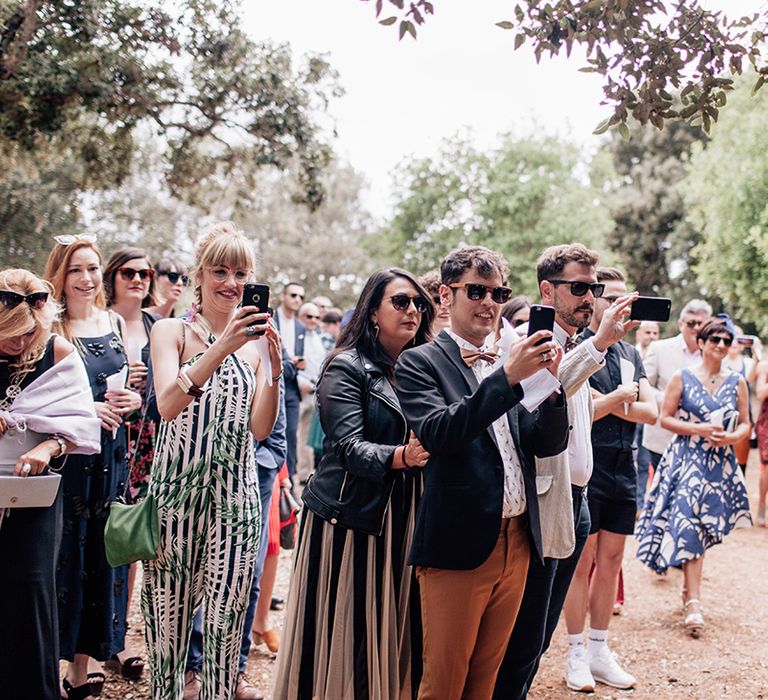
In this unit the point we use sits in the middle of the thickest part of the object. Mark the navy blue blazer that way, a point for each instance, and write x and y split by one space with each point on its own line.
459 515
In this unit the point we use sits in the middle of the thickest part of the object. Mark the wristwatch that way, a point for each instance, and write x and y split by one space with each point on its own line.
62 445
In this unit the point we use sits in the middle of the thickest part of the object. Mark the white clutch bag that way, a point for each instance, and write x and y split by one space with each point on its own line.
24 491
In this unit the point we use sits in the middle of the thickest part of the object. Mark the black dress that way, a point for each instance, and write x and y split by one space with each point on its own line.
29 547
92 596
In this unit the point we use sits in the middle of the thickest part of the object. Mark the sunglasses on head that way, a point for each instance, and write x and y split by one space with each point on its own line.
128 273
477 292
69 240
694 324
401 302
717 339
174 277
579 289
10 300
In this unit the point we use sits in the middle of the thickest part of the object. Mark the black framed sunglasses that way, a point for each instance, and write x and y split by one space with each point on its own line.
579 289
174 277
477 292
694 324
10 300
717 339
128 273
401 302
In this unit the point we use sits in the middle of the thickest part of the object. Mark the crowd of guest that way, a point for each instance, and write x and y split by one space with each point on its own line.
464 481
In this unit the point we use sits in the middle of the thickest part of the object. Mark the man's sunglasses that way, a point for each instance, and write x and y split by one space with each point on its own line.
296 295
402 302
128 273
579 289
10 300
174 277
312 316
717 339
477 292
694 324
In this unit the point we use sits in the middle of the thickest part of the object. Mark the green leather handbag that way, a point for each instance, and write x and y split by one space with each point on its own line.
131 532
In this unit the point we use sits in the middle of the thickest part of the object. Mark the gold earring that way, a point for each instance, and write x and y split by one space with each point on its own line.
375 330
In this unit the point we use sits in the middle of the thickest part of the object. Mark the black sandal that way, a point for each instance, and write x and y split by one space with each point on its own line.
81 692
96 681
131 668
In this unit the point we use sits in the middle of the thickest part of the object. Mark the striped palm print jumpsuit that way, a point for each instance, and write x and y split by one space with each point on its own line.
205 484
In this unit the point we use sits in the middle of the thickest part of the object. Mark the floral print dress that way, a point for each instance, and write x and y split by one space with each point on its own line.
698 494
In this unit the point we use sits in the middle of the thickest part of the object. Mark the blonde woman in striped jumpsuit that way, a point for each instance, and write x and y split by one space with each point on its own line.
214 399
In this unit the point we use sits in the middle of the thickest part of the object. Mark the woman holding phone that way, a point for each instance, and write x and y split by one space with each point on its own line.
698 494
92 596
215 396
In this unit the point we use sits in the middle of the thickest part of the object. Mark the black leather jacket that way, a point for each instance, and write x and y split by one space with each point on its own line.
363 424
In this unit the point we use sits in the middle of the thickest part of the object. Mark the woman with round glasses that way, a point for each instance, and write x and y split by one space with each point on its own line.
92 595
45 413
351 588
698 494
217 392
170 282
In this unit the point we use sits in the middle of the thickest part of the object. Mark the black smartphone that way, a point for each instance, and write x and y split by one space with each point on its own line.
542 319
651 309
256 295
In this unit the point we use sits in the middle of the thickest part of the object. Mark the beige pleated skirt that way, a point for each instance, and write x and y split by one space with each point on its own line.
352 625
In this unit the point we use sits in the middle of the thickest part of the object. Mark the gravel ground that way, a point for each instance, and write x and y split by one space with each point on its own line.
729 661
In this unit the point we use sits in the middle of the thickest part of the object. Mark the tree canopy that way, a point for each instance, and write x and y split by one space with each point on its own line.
644 50
727 194
519 198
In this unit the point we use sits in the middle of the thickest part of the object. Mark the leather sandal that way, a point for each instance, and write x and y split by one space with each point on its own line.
80 692
96 681
694 621
131 668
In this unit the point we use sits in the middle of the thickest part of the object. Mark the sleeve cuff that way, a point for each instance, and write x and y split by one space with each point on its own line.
596 354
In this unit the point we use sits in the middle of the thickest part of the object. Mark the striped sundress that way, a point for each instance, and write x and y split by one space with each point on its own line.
205 484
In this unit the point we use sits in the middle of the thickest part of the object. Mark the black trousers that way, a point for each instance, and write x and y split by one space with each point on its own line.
545 589
292 408
29 627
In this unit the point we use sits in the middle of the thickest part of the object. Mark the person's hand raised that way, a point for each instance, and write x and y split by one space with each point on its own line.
247 324
526 358
614 324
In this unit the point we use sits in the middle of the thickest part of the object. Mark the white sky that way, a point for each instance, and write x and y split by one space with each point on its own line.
403 98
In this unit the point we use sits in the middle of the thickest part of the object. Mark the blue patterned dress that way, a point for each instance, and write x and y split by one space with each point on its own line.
698 494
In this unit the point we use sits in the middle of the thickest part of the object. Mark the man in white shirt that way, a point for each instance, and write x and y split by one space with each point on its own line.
568 282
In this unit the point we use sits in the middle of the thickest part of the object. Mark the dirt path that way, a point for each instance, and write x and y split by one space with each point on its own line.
729 661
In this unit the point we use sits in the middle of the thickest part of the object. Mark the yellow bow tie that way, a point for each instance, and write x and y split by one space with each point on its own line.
472 356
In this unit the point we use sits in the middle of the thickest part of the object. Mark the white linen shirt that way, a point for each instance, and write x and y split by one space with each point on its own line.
514 486
580 457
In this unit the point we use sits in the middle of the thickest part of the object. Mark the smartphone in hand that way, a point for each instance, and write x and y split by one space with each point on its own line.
542 319
651 309
256 295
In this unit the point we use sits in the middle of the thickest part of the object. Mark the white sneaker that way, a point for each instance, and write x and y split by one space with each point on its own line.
577 674
606 669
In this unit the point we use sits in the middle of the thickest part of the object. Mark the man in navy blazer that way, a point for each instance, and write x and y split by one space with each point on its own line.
292 333
477 523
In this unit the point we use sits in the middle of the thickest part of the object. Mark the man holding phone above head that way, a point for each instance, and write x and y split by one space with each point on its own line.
477 524
568 282
622 398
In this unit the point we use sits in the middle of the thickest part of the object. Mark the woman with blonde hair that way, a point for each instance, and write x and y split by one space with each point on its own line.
45 413
92 595
217 391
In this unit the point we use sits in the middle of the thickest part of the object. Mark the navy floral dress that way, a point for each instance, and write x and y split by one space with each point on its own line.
92 596
698 494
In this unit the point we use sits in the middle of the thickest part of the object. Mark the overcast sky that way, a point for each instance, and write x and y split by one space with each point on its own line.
403 98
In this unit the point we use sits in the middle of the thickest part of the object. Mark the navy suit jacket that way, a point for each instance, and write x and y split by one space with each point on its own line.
459 515
292 391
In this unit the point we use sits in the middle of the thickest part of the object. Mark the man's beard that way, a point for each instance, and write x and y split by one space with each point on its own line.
574 321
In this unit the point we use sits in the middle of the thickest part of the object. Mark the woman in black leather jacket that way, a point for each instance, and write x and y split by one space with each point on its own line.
352 625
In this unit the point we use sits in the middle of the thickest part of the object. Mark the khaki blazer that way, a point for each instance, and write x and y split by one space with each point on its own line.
553 474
